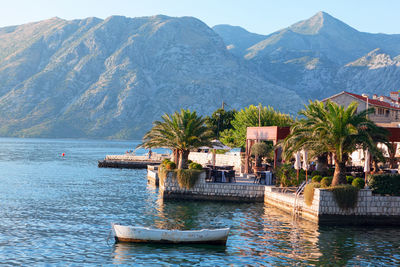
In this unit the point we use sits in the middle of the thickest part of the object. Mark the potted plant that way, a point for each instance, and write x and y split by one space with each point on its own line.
260 150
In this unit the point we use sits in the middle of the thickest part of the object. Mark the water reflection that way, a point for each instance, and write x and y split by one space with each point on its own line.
361 246
156 253
261 234
177 215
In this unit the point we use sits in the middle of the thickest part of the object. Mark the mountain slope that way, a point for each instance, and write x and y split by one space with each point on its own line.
111 78
312 57
237 39
372 73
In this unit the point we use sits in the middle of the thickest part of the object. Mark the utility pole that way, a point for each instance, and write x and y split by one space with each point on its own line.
219 119
259 115
223 105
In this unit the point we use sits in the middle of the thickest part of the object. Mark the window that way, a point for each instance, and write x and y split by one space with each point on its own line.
387 113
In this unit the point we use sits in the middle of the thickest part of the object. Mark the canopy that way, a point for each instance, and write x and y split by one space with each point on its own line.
367 158
216 144
305 165
297 163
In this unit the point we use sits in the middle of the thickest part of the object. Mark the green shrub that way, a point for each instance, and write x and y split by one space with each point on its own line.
187 178
302 176
326 182
316 178
328 172
327 177
162 173
349 179
189 161
285 175
165 161
345 196
170 165
359 183
195 166
315 173
283 181
309 192
385 184
295 182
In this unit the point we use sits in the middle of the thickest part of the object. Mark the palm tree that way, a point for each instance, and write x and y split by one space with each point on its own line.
332 128
181 132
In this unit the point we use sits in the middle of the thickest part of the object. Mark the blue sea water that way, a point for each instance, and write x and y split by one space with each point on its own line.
57 210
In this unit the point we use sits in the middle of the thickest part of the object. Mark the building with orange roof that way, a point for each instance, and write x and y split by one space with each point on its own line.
387 108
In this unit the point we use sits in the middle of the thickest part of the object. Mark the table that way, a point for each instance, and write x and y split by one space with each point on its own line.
223 176
263 175
392 171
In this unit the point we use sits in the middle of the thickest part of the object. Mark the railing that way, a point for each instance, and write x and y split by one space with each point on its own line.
299 191
130 157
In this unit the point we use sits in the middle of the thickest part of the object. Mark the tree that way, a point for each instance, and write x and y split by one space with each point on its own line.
392 147
220 121
332 128
260 150
181 132
249 117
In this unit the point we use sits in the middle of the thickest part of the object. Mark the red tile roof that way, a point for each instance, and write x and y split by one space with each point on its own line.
374 102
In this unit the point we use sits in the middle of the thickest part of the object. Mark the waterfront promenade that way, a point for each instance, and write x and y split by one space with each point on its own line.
369 209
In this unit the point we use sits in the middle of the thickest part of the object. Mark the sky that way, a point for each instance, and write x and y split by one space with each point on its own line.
258 16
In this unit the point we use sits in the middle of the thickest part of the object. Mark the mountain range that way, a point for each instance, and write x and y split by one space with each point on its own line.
321 56
112 78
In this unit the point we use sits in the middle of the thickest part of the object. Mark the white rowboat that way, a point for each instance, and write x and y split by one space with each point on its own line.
146 235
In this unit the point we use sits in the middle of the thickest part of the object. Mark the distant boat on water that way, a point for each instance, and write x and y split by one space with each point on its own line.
135 234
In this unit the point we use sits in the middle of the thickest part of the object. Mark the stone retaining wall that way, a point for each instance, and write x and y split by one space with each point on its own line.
370 209
170 189
276 196
152 175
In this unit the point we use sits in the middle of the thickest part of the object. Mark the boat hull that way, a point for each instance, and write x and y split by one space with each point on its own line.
146 235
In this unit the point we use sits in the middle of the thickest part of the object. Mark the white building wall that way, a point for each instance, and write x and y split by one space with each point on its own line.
231 159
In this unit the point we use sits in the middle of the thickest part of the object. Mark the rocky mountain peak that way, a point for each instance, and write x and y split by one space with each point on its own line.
320 22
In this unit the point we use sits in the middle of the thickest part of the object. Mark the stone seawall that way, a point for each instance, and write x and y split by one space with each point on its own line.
370 209
152 175
285 201
170 189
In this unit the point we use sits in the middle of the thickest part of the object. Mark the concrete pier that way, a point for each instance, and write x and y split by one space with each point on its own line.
129 161
126 164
